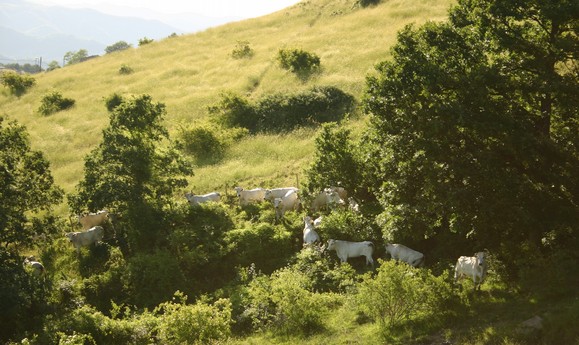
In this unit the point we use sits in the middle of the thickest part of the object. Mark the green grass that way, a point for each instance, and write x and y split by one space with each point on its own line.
187 73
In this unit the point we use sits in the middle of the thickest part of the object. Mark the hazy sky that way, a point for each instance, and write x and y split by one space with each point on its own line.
211 8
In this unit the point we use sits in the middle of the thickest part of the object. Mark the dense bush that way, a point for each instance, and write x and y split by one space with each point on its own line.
366 3
298 61
400 293
199 323
145 40
113 101
204 143
17 83
125 69
285 303
54 102
278 112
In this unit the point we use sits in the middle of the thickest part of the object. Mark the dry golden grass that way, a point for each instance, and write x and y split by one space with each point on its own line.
187 73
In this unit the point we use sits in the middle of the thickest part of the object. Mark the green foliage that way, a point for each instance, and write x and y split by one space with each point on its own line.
113 101
131 173
204 143
25 68
285 303
349 226
26 185
52 65
200 323
298 61
262 244
464 128
119 46
400 293
125 69
145 40
54 102
242 50
335 162
153 278
279 112
17 83
73 57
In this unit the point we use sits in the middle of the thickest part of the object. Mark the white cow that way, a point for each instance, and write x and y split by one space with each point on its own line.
89 220
36 267
310 235
247 196
196 200
400 252
326 199
289 202
342 192
474 267
346 249
86 238
272 194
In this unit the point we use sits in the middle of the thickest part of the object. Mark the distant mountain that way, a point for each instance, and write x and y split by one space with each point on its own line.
29 31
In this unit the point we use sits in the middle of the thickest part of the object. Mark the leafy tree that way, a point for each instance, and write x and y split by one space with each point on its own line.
18 84
474 130
135 170
72 57
335 162
52 66
242 50
26 186
298 61
119 46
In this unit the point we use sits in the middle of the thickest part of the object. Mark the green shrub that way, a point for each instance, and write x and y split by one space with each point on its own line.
298 61
366 3
199 323
203 143
119 46
279 112
285 303
242 50
125 69
17 83
145 40
399 294
113 101
54 102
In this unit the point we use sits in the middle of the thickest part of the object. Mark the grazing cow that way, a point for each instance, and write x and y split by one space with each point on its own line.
36 267
342 192
249 196
346 249
86 238
400 252
326 199
310 235
290 201
272 194
196 200
474 267
89 220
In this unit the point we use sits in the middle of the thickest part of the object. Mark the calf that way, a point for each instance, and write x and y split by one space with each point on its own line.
310 235
400 252
346 249
36 267
272 194
474 267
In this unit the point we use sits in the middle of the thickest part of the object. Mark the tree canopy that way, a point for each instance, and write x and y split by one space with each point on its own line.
475 128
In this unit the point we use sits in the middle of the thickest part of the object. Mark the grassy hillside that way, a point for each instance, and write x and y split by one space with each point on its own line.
188 73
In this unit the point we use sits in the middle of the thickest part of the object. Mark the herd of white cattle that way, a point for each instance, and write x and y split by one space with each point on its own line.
284 200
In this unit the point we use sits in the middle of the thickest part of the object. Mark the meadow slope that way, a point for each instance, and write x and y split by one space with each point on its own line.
189 73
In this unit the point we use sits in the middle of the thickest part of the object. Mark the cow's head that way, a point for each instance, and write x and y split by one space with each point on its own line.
480 258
